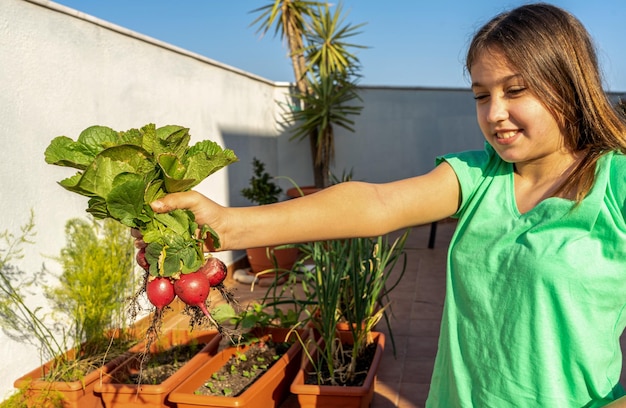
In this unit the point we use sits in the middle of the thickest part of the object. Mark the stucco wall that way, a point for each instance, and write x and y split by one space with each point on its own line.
62 72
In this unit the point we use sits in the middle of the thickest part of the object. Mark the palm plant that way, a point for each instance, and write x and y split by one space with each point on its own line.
324 69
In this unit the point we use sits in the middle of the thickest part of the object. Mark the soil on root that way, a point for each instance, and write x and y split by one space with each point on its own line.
243 369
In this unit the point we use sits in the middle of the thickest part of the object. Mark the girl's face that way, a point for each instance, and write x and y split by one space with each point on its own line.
512 119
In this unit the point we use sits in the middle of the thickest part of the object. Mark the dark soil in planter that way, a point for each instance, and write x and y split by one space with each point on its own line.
159 366
363 364
243 369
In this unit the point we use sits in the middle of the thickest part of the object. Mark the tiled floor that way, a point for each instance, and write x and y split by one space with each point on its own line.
403 379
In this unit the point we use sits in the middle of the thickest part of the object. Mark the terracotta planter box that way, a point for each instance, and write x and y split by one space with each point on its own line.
120 395
303 191
269 390
75 394
259 261
328 396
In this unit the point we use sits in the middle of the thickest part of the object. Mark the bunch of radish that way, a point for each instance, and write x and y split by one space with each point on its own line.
191 288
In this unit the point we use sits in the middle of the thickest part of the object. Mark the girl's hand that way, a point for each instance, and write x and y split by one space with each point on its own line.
205 210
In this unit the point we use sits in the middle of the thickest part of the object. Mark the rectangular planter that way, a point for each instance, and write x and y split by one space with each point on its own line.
269 390
119 395
328 396
75 394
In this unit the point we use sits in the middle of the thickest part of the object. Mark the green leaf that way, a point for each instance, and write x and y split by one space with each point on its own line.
125 200
223 313
153 255
97 138
63 151
131 136
172 139
173 173
154 191
205 158
209 157
71 184
97 207
98 177
175 223
207 231
178 256
171 263
134 156
148 137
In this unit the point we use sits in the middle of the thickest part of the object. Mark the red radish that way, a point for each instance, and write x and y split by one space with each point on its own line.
215 270
193 289
141 259
160 291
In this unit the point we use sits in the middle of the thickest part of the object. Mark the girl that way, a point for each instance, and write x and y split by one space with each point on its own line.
535 320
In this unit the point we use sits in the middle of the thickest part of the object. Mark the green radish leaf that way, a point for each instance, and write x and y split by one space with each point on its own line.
97 207
125 200
148 137
63 151
173 173
134 156
153 256
98 177
97 138
172 139
71 184
170 263
154 191
207 231
131 137
205 158
173 222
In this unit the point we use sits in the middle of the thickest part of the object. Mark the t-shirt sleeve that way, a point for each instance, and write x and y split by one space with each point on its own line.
470 168
618 181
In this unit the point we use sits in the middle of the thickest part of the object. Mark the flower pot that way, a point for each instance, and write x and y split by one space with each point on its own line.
73 394
116 393
306 190
269 390
328 396
259 260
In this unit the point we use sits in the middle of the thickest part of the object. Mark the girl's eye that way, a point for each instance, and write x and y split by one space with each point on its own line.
479 97
516 90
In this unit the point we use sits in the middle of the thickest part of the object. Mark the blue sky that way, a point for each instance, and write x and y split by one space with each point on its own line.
411 42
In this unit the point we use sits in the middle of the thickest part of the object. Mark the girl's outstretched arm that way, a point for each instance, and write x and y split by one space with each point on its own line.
349 209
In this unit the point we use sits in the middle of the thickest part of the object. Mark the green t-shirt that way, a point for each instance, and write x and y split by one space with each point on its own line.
535 302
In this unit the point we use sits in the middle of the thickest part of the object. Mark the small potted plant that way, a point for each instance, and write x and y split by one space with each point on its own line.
88 336
264 260
351 280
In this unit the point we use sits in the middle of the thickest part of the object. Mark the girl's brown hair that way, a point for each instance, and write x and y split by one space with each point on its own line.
555 55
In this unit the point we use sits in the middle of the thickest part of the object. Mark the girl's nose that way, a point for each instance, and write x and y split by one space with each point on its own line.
497 110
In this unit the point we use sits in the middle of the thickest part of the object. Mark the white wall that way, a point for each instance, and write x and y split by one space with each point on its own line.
62 72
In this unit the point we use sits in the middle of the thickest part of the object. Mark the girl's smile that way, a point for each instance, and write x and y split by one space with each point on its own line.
513 120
